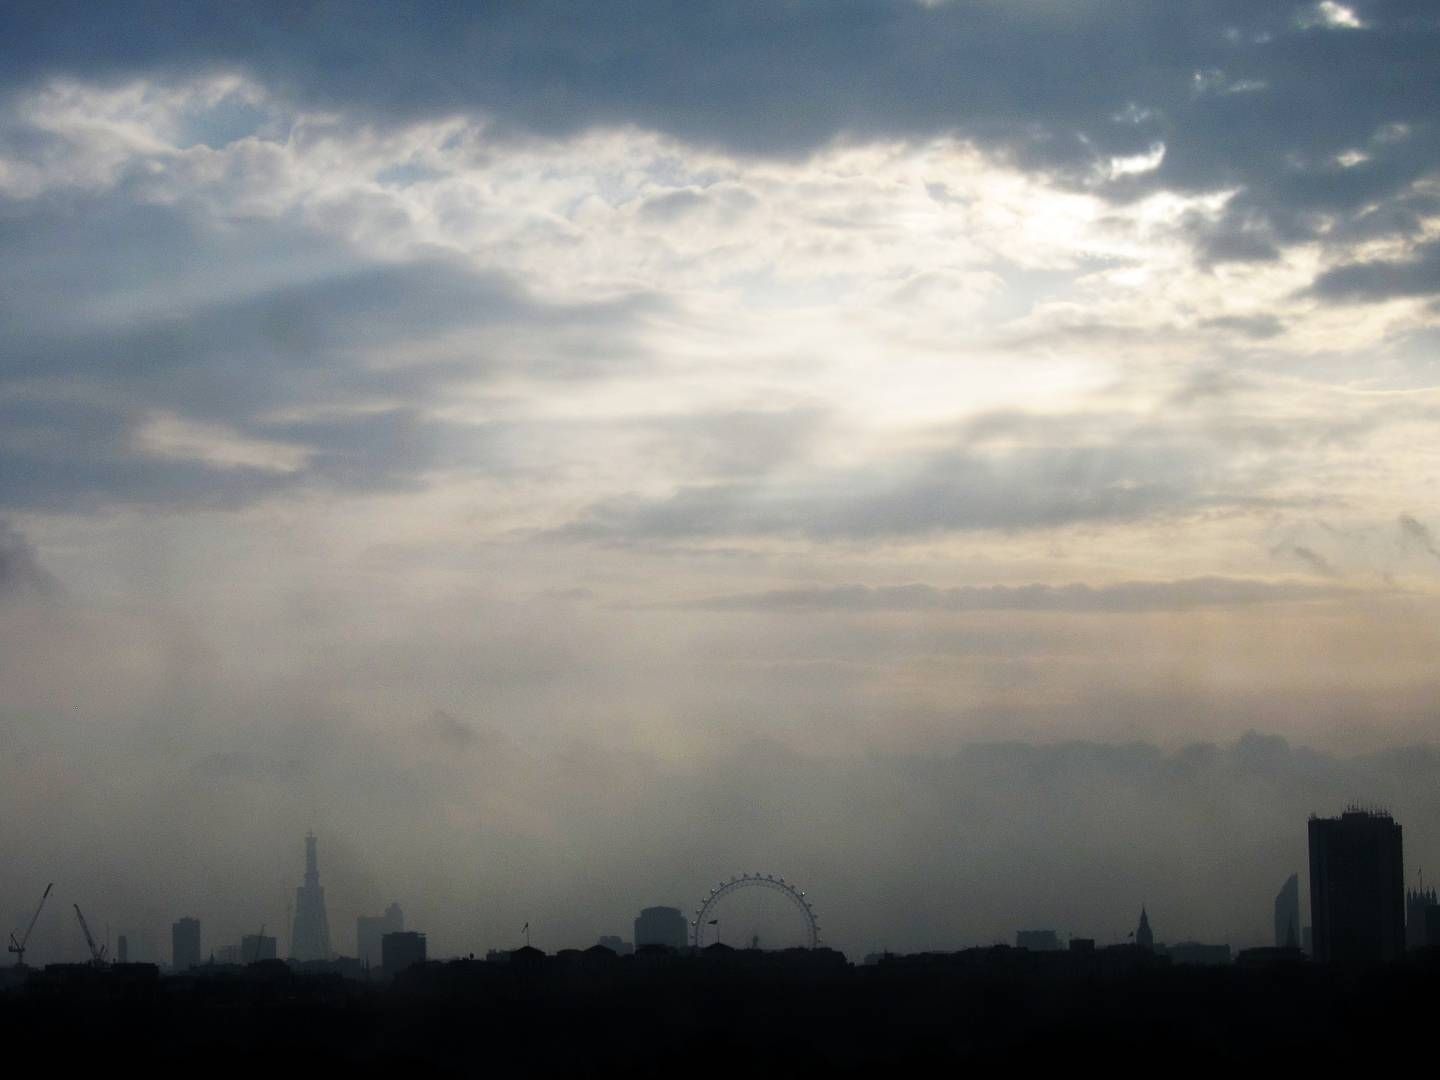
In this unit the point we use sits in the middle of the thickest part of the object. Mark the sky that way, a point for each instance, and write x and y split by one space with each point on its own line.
975 459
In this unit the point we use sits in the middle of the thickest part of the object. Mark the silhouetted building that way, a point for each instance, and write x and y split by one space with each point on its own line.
369 929
616 945
257 947
1357 889
185 944
1037 940
310 936
227 954
1269 957
1287 914
1416 901
661 926
1196 954
657 957
1082 944
1143 937
346 967
528 961
401 950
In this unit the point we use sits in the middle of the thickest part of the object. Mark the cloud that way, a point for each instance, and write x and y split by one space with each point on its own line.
1413 531
21 573
248 767
1120 598
672 205
1383 279
257 361
1309 556
1259 327
733 443
450 731
1329 15
946 491
1051 86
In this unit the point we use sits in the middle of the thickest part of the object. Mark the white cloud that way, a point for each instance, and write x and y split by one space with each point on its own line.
168 436
1137 163
1331 16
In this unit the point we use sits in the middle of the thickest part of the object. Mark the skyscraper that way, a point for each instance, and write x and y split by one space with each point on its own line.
1287 914
402 950
1143 936
369 929
1416 901
185 944
310 936
1357 889
255 947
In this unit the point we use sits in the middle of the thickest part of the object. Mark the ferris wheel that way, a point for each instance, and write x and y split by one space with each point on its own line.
755 881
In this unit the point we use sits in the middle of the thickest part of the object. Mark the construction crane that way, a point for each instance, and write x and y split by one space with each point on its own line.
97 952
18 947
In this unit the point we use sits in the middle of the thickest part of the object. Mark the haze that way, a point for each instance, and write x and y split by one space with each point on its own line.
976 460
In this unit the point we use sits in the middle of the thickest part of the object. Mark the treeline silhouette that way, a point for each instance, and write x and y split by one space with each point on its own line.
796 1011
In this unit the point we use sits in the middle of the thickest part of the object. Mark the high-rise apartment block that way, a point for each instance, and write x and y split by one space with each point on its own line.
1357 889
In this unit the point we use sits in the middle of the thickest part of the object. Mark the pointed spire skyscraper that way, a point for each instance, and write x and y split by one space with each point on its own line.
1143 937
310 936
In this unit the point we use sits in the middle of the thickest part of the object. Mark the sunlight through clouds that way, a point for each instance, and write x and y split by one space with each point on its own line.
839 383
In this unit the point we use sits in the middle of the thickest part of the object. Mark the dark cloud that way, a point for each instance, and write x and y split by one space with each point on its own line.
1122 598
240 330
21 573
672 205
1307 555
335 324
1383 279
727 203
1235 237
1418 533
1245 94
1251 326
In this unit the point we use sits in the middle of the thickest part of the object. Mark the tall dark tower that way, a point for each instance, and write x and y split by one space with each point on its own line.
310 936
185 944
1357 889
1287 914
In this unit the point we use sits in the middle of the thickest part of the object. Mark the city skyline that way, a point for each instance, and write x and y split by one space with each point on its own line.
1342 858
1215 905
973 458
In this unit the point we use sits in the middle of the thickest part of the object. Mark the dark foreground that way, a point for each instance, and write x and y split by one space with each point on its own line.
768 1013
